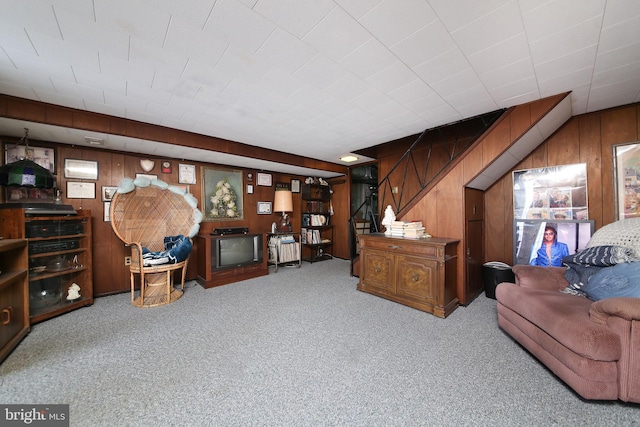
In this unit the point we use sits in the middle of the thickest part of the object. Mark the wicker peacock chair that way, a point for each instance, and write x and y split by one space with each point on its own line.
148 216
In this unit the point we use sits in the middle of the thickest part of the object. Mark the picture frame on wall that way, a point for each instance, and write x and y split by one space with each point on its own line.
295 185
264 208
551 193
80 169
222 194
81 190
264 179
186 174
108 193
626 158
43 156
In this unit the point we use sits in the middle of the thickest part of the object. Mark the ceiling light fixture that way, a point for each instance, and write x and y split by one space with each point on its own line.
25 172
349 158
94 141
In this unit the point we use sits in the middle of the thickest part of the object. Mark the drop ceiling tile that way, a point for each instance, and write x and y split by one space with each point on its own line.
555 85
193 42
108 14
41 18
510 51
567 64
413 91
368 59
455 17
556 16
193 12
64 52
513 88
618 58
281 83
392 77
285 51
151 56
428 42
357 8
464 81
442 67
490 29
236 63
14 39
622 73
412 14
616 36
348 87
516 71
337 35
78 91
238 25
321 71
620 11
126 70
566 41
59 99
296 17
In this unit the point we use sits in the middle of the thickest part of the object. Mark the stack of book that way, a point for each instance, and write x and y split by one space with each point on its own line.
396 228
413 230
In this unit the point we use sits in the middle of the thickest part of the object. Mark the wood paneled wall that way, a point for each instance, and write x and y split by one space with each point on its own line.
587 138
110 273
441 209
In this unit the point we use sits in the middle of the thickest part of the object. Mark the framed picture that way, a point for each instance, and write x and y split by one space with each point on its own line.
108 193
264 208
166 167
106 212
80 169
222 194
81 190
295 185
626 168
43 156
186 174
249 188
554 193
264 179
529 235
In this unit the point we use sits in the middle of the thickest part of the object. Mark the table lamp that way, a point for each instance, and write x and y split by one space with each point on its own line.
283 202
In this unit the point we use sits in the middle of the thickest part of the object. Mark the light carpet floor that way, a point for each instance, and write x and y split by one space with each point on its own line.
300 347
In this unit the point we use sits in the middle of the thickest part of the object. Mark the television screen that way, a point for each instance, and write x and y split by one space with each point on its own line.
237 250
529 234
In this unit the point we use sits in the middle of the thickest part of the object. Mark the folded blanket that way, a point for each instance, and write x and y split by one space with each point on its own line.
589 261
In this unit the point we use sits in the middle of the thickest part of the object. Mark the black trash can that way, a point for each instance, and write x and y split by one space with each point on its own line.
494 273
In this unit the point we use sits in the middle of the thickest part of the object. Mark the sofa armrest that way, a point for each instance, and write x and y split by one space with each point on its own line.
625 308
533 276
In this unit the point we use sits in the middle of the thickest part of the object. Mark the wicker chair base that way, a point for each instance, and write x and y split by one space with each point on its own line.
155 296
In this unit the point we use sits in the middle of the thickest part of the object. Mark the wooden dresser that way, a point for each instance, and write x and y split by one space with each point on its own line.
419 273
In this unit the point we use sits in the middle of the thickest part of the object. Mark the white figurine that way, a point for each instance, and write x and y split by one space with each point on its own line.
389 218
74 292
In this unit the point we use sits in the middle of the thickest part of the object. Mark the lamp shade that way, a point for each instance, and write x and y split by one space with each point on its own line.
283 201
26 173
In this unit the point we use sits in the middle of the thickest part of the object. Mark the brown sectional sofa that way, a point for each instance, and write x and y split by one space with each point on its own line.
594 347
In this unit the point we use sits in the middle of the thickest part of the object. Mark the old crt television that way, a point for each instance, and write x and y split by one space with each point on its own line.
528 235
236 251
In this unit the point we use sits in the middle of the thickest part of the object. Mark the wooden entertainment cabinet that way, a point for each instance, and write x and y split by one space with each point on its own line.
209 276
419 273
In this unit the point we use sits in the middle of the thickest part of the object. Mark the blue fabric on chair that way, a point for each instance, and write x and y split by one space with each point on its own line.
621 280
176 249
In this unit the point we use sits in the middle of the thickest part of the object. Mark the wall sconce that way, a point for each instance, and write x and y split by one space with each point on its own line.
25 172
283 202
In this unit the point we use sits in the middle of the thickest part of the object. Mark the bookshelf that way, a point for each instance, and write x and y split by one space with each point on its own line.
316 233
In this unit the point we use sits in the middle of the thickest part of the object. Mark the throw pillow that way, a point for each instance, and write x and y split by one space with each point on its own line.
621 280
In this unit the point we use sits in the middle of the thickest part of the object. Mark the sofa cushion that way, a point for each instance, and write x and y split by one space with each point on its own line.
564 317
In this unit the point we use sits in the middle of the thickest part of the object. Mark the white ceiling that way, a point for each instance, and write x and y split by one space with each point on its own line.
316 78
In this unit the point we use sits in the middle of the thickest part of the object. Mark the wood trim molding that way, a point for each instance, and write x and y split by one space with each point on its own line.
35 111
